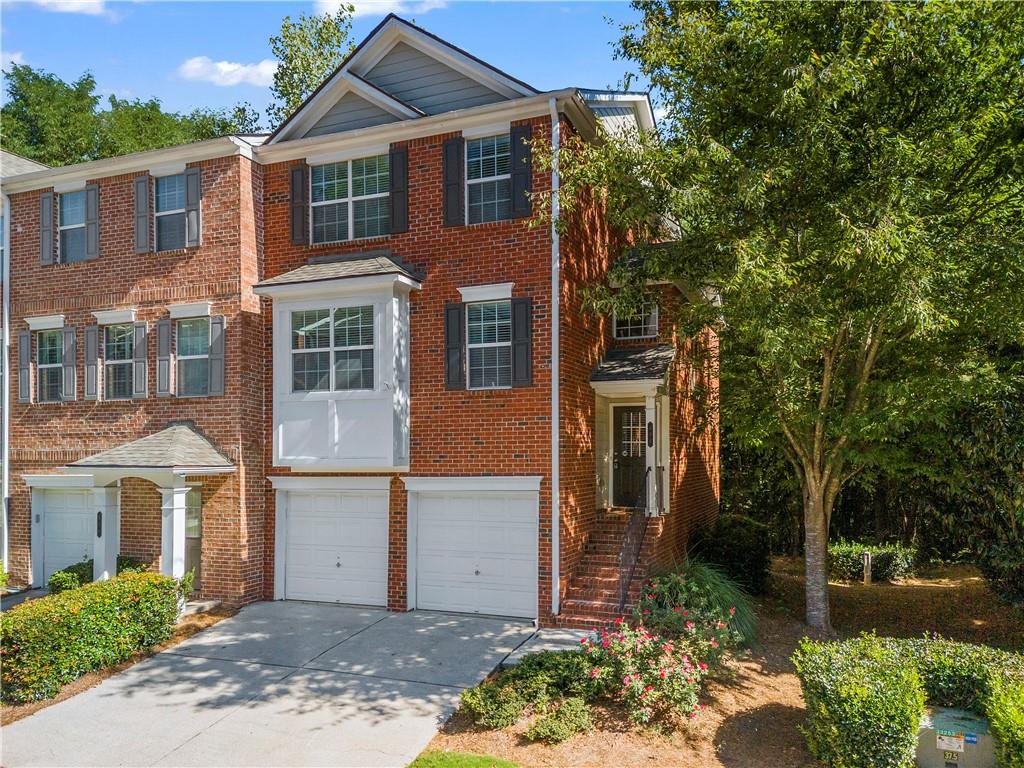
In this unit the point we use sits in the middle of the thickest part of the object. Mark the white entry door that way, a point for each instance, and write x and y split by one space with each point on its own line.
477 552
336 547
69 528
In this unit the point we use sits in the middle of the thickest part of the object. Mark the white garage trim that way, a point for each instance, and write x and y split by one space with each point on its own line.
525 488
282 483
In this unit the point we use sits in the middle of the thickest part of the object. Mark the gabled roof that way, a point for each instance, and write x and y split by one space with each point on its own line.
386 36
640 364
177 447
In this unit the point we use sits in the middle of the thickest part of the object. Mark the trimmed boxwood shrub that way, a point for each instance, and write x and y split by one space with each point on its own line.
741 547
889 562
61 581
78 574
49 642
569 717
848 684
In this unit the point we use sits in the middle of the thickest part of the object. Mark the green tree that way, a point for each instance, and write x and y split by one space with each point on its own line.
847 178
307 50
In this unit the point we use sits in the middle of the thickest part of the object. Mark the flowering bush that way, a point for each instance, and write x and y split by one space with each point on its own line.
651 674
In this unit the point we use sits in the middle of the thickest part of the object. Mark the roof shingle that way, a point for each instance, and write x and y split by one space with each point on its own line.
174 447
635 364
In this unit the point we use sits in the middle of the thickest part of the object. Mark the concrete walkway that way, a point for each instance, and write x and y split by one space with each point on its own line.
279 684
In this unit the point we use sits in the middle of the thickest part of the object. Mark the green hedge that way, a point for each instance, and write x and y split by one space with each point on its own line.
741 547
889 562
49 642
865 697
74 576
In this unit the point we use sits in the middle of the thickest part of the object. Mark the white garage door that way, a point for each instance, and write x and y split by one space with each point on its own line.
477 553
336 547
68 530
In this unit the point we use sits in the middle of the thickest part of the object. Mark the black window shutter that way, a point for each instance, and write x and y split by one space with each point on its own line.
454 347
454 209
67 384
92 221
193 219
92 346
24 366
522 343
522 169
399 189
299 205
142 218
46 250
216 356
140 370
163 358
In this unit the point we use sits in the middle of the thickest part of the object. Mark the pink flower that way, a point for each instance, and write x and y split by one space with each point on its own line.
627 680
714 643
619 620
662 674
686 613
605 643
646 612
732 611
693 715
583 641
677 609
595 673
648 689
703 666
650 597
689 626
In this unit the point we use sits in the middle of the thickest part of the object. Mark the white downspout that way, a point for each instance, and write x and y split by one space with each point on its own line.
556 506
5 402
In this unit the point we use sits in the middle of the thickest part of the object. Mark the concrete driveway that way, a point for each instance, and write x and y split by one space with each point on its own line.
279 684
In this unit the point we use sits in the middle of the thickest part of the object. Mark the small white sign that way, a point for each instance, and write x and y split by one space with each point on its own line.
950 743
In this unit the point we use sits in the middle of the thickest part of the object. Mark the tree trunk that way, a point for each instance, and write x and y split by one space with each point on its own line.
816 558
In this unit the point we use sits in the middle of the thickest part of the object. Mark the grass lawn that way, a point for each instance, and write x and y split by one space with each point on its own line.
754 709
458 760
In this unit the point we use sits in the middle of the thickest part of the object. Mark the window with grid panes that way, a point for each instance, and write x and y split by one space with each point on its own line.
643 325
349 200
71 223
489 344
488 179
118 344
49 362
333 349
170 212
192 356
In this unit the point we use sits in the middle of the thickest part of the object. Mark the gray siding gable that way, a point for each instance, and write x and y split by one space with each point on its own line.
424 82
350 112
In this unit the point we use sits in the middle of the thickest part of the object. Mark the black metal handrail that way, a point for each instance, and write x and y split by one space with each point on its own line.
632 545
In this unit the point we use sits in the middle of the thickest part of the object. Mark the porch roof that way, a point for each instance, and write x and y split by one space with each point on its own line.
177 447
636 364
335 267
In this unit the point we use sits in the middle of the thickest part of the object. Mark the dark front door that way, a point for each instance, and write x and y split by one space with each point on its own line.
629 456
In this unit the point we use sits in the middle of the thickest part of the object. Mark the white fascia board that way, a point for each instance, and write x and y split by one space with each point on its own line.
192 309
167 169
478 484
446 122
58 481
282 483
638 387
183 471
341 286
347 153
492 292
114 316
491 129
224 146
63 188
45 322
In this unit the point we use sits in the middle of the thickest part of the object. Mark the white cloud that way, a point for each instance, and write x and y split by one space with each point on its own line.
11 57
205 69
89 7
382 7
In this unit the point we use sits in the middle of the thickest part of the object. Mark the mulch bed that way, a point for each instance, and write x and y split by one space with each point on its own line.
188 626
754 707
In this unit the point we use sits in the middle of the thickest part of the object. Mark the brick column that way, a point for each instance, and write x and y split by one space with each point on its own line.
398 547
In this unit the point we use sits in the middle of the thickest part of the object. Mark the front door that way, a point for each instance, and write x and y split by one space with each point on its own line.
629 456
194 535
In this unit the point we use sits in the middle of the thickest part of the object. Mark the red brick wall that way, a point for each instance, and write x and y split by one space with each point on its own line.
45 436
140 520
455 433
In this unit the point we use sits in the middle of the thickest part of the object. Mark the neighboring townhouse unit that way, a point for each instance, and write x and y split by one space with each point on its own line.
347 362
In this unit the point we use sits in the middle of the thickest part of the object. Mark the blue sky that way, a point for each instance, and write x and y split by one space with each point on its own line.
214 54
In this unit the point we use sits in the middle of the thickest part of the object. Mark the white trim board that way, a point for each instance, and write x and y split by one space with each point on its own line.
59 481
193 309
45 322
491 292
477 484
114 316
288 483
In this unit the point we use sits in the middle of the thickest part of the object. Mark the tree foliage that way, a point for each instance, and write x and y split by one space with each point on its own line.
58 123
307 50
847 178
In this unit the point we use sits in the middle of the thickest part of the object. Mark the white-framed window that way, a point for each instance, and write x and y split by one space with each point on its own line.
118 349
488 179
169 212
192 356
489 345
71 226
349 199
49 365
642 325
333 349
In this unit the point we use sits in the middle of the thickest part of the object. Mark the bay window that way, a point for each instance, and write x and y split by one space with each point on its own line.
333 349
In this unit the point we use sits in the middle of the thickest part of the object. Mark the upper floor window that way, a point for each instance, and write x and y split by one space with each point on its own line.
349 200
643 325
488 179
170 212
49 364
192 353
489 344
71 224
118 353
333 349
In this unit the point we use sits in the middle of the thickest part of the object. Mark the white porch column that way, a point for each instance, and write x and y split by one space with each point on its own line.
172 531
651 454
38 503
107 528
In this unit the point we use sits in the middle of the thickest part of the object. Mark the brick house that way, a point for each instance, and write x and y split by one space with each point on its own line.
344 363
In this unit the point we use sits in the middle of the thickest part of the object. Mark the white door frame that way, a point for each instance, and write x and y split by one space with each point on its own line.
470 485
